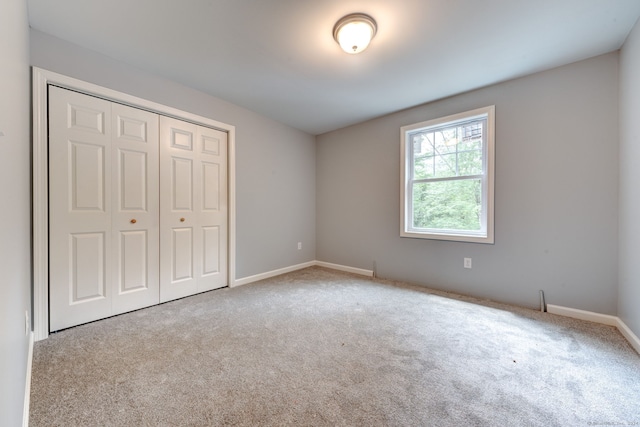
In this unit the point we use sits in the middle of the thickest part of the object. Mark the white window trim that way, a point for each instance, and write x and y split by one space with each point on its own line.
488 181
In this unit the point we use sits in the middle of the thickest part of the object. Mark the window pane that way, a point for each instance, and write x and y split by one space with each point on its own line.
470 163
417 144
471 131
446 140
471 136
422 167
445 166
474 144
422 143
450 205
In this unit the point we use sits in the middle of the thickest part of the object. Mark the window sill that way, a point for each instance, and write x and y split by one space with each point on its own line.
451 237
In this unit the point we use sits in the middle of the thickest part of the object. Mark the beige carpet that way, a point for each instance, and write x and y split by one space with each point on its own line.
319 347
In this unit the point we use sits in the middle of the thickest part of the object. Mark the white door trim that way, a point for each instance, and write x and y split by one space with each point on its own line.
41 79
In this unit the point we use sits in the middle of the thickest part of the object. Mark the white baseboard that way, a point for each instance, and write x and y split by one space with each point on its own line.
273 273
346 268
604 319
27 386
629 335
278 272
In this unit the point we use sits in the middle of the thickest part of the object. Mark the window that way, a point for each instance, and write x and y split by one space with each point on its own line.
447 177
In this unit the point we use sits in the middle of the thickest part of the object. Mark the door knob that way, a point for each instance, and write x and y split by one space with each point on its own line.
181 219
133 221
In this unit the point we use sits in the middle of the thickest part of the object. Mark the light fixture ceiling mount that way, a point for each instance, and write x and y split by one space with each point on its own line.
354 32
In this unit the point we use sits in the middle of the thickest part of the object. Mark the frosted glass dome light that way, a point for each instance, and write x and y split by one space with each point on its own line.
354 32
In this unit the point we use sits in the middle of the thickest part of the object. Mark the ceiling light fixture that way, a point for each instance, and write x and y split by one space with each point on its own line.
354 32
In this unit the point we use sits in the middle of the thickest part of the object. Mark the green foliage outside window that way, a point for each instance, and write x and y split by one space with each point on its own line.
449 205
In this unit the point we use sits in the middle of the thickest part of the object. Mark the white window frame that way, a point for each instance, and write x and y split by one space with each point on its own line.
486 235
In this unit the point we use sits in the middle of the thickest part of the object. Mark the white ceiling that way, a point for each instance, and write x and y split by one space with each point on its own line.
278 57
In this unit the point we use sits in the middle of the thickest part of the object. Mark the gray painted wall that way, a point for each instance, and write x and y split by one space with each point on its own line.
15 225
629 249
275 164
556 220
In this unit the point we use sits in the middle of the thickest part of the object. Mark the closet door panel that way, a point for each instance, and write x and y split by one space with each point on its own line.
87 176
212 154
87 267
79 208
135 201
178 219
104 213
134 270
133 181
210 250
193 209
182 256
181 184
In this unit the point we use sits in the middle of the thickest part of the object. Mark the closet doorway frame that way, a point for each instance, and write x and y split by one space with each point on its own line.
41 79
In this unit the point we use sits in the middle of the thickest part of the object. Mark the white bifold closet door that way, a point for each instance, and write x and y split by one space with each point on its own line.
193 205
137 208
103 208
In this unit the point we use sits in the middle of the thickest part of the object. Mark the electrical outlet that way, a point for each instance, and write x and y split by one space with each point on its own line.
467 263
27 325
299 245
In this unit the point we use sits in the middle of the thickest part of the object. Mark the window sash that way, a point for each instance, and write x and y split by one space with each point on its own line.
483 120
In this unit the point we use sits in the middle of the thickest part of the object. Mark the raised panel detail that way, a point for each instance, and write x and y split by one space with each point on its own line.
181 139
133 263
87 267
133 180
132 129
87 177
182 183
210 250
210 186
85 119
210 145
182 248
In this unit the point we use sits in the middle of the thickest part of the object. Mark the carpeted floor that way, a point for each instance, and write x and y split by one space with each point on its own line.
319 347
